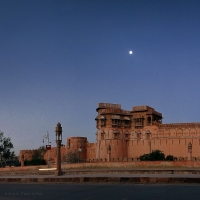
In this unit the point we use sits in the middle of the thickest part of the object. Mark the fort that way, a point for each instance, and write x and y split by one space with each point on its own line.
125 135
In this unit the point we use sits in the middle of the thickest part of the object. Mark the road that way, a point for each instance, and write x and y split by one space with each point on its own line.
11 191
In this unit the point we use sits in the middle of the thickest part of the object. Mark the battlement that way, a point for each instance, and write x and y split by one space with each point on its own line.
116 111
140 108
109 105
146 108
193 124
27 150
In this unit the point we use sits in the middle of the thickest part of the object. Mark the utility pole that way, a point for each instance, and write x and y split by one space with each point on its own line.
47 137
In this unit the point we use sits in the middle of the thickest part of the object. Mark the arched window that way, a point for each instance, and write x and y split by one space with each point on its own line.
138 135
116 120
103 120
148 135
116 134
126 135
127 122
149 120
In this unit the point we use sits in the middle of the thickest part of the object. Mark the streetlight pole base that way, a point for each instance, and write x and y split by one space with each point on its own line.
59 173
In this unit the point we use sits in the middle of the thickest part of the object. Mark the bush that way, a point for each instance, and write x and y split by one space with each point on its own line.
17 163
36 161
170 158
145 157
37 157
157 155
153 156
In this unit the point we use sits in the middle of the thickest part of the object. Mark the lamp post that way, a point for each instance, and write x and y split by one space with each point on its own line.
79 153
47 137
58 142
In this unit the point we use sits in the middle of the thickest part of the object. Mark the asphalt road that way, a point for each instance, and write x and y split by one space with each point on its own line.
98 192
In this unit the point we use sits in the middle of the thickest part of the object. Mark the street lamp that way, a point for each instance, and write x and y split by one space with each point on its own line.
47 137
58 142
79 154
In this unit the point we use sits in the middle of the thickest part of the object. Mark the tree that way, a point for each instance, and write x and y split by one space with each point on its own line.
5 148
37 157
39 153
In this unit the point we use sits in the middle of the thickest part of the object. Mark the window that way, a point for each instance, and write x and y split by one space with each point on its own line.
116 135
127 123
148 135
148 120
138 135
116 122
138 122
126 135
103 120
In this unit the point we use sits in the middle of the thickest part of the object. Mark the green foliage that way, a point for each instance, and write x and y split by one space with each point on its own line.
17 163
153 156
170 158
145 157
35 161
42 149
37 157
5 149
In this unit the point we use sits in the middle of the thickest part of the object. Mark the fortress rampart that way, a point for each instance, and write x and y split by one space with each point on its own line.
125 135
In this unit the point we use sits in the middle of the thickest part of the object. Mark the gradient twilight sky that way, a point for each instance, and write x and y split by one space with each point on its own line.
60 58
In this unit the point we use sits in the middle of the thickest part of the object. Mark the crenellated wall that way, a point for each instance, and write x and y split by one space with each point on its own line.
27 153
126 135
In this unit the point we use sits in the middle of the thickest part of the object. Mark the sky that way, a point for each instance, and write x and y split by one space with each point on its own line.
60 58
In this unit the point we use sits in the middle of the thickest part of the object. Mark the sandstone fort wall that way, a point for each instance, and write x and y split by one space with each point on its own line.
128 134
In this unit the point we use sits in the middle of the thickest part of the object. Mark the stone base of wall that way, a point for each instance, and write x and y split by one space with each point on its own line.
127 164
137 164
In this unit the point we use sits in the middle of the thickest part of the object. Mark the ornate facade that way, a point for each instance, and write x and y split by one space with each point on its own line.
126 135
130 134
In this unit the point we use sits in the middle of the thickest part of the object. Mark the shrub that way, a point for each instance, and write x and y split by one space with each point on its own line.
157 155
170 158
37 157
36 161
145 157
153 156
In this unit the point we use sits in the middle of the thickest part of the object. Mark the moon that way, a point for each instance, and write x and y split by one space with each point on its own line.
130 52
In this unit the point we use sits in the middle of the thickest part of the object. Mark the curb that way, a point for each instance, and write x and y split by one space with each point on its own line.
136 180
